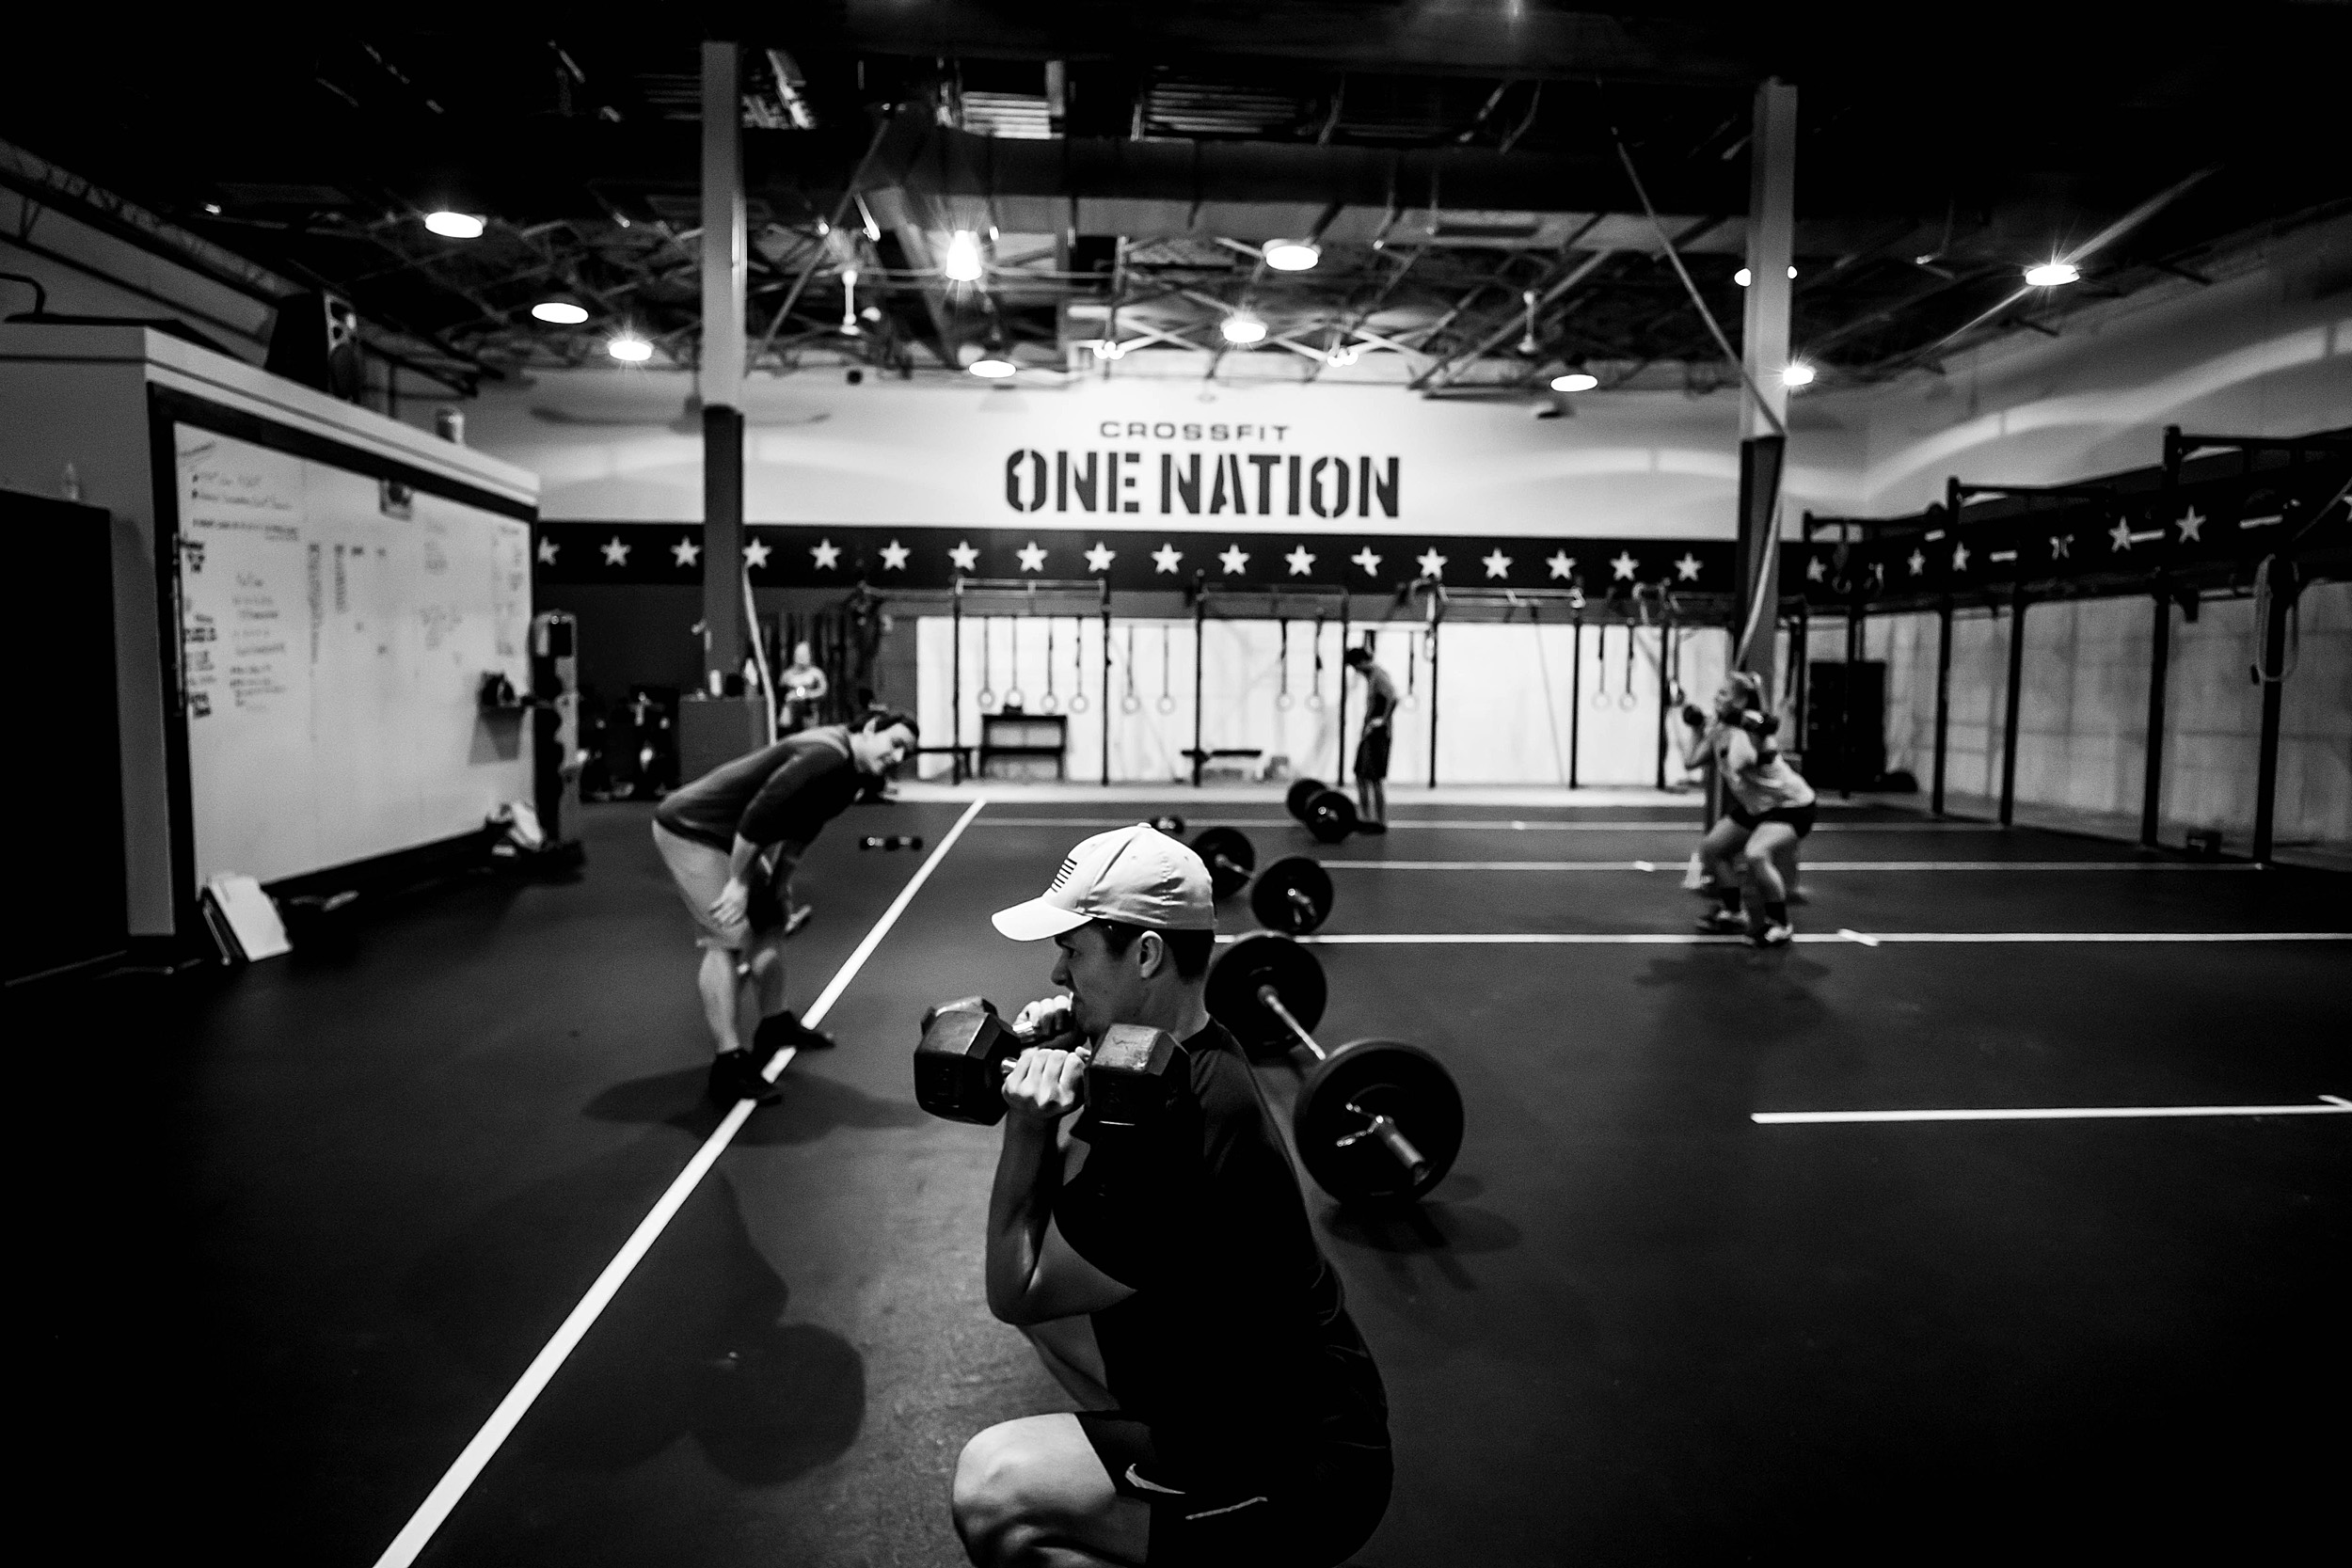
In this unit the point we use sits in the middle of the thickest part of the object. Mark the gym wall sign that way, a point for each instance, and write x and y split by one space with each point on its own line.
1197 484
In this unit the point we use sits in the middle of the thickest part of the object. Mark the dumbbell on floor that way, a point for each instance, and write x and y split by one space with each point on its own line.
1327 813
1379 1121
1293 894
891 841
967 1048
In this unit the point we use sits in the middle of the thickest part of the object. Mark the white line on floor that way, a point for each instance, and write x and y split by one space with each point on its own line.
444 1497
1683 825
2330 1106
1808 865
1869 939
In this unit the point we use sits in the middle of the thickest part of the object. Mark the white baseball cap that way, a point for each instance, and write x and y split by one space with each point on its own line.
1136 875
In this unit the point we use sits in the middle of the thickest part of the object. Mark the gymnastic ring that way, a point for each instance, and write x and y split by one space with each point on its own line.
1078 702
1315 702
1049 704
1282 701
1016 700
1165 705
1131 704
985 698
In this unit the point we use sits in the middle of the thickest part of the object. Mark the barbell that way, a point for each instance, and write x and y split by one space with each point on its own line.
1377 1122
1329 814
1293 894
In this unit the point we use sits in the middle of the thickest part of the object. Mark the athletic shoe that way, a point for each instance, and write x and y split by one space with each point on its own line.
783 1029
1778 934
735 1075
798 918
1722 922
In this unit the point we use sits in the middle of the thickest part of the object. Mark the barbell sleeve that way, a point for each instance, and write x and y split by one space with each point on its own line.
1392 1138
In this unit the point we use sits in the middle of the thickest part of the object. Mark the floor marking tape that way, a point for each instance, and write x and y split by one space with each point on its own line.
1806 866
1684 825
2330 1106
1869 939
436 1508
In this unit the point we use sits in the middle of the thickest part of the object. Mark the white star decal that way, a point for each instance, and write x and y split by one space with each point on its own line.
1234 559
964 557
686 552
1623 565
2189 523
894 557
1032 556
1432 564
2122 535
615 552
1302 560
2061 546
1498 564
1100 558
1688 567
1164 558
1369 562
1561 564
1918 562
546 551
1816 569
756 554
1960 558
826 552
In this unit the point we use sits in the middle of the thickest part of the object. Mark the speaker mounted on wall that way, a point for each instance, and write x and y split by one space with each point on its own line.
316 343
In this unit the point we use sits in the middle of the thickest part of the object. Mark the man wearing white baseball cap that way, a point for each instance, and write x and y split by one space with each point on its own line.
1166 1273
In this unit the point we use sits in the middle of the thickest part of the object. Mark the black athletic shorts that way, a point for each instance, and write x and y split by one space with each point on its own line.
1799 817
1316 1519
1372 754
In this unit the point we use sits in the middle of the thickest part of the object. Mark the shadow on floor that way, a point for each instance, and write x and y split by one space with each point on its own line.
691 1344
811 1108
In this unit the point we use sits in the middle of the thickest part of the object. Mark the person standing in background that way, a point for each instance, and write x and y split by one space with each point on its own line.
1372 749
802 686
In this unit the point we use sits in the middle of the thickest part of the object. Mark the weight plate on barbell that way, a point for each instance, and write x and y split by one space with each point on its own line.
1273 902
1232 846
1390 1078
1331 816
1265 960
1295 797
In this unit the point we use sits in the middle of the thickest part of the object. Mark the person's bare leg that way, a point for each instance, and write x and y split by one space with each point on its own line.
1068 1349
1785 858
1032 1493
1761 863
760 982
721 997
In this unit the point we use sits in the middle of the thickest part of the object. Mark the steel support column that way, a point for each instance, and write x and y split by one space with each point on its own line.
1943 699
725 269
2008 719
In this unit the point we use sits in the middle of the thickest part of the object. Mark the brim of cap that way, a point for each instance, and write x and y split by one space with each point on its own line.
1037 920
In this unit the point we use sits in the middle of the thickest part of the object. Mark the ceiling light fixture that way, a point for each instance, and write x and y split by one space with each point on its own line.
993 369
1744 277
1242 328
454 226
1293 255
964 257
629 349
1108 348
2053 275
560 312
1575 381
1797 373
1341 353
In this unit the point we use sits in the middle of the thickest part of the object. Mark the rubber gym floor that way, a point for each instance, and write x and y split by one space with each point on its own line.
305 1224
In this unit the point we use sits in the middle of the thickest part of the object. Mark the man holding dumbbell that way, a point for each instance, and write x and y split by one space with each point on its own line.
730 840
1165 1271
1371 749
1769 808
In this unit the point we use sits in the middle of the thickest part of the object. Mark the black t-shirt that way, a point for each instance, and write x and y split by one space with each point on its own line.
1236 1347
790 790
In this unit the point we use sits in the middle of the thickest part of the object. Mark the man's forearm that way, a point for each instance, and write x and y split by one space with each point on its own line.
740 860
1029 1172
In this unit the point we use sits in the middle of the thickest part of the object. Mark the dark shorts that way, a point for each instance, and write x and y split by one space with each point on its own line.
1798 818
1372 756
1314 1518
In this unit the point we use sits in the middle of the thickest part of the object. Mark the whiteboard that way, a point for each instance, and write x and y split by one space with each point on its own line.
331 660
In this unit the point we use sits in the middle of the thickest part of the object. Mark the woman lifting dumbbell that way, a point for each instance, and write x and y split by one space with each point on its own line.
1767 809
1165 1269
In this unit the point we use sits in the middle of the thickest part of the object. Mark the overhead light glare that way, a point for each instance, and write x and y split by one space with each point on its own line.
1341 353
560 312
629 349
1242 328
1293 255
2053 275
1575 381
1797 373
213 207
1108 348
1743 277
993 369
454 226
964 257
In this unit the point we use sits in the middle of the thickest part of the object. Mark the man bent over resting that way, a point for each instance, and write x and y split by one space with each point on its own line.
1166 1273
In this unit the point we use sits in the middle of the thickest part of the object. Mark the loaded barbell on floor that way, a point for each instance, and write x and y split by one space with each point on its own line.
1293 894
1377 1122
1327 813
966 1048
